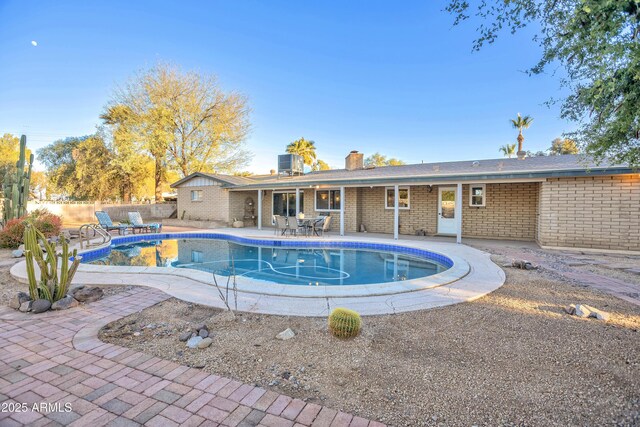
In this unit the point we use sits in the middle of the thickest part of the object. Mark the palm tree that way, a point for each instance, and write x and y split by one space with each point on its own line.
304 148
508 150
521 123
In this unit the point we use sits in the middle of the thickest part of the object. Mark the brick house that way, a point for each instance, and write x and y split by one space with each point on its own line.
557 201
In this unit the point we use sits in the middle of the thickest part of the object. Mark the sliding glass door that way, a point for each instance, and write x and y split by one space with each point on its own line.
284 203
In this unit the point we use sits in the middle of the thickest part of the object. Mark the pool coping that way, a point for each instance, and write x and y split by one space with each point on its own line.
458 269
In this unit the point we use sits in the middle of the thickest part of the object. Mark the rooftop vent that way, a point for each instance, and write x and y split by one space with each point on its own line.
475 164
290 164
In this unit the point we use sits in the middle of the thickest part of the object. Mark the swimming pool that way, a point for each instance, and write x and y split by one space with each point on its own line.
285 262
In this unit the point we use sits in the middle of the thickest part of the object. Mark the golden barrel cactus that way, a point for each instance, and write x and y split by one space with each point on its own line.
344 323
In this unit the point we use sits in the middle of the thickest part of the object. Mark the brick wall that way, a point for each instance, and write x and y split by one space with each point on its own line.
213 207
511 212
591 212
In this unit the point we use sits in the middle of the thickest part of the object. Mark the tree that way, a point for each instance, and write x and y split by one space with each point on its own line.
9 153
598 44
93 177
305 148
321 165
184 120
38 185
521 123
377 160
563 146
508 150
57 158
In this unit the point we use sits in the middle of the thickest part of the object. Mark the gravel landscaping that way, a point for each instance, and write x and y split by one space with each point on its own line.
513 357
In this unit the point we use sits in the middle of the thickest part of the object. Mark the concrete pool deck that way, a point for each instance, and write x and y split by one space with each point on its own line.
472 276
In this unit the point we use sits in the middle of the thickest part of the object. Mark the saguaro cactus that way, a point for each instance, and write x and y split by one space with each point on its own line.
15 186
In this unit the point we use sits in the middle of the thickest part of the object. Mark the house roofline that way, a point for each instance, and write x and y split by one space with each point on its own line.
481 176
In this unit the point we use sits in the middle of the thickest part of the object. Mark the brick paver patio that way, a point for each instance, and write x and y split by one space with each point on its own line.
56 358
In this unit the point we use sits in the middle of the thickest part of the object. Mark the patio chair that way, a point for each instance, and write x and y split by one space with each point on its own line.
106 224
326 225
282 225
138 224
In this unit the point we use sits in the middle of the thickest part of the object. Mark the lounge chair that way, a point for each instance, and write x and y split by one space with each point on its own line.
138 224
106 224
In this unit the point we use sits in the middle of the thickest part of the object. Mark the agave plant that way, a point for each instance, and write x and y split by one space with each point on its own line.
40 251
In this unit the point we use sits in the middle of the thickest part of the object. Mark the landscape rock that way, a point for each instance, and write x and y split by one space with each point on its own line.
601 315
25 306
286 334
206 342
85 294
17 300
582 310
199 326
203 333
65 303
193 342
570 309
17 253
184 337
40 305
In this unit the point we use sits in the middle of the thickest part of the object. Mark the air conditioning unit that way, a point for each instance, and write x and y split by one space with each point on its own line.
290 164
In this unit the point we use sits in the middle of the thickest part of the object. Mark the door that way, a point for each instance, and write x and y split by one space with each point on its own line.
447 210
284 203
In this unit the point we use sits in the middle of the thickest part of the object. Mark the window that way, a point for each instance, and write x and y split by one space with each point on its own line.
196 256
328 200
196 195
477 196
403 200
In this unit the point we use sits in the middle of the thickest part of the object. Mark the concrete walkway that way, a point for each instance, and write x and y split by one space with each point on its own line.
56 359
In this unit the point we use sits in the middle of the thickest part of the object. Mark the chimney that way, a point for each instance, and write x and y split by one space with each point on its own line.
354 161
521 154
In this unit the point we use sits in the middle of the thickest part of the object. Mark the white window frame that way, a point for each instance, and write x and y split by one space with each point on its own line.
406 187
484 195
199 192
328 190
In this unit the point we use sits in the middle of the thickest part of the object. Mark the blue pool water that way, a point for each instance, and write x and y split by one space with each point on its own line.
292 262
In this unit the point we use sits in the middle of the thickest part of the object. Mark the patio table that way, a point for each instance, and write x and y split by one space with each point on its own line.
309 225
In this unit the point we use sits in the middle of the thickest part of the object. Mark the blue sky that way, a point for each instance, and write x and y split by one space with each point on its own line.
368 76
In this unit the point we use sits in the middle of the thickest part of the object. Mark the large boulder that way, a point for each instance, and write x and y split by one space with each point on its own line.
40 306
85 294
65 303
18 300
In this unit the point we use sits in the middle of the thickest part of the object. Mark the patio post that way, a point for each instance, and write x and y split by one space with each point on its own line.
342 202
259 209
396 211
458 213
297 202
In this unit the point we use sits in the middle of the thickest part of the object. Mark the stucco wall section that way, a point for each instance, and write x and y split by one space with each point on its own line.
213 207
591 212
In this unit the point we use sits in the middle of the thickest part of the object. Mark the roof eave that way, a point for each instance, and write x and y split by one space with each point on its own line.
439 178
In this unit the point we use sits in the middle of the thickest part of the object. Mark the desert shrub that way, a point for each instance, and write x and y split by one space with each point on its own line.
344 323
12 235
